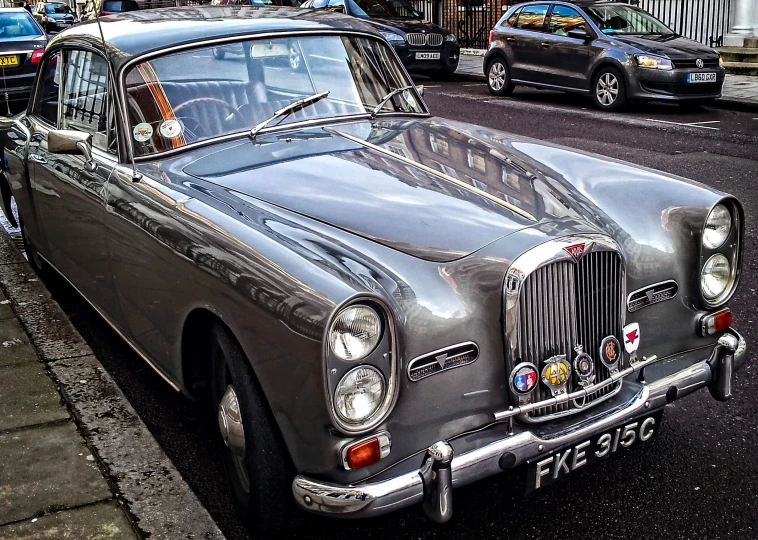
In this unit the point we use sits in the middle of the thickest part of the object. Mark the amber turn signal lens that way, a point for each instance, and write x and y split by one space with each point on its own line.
363 454
716 322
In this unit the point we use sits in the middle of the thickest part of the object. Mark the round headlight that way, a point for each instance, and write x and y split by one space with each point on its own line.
716 276
355 332
359 394
717 227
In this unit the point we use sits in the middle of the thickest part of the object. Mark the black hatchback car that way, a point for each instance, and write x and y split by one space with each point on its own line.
423 47
54 16
612 51
22 43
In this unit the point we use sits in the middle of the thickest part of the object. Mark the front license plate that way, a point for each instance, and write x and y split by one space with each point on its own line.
548 469
8 60
701 77
427 56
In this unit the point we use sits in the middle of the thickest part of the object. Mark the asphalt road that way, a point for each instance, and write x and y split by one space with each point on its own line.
698 478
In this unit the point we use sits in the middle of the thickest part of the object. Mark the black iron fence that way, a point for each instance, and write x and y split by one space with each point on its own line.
705 21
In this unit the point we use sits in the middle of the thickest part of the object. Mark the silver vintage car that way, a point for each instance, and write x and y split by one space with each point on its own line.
380 305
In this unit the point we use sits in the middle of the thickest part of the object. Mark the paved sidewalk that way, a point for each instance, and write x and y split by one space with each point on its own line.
50 483
738 89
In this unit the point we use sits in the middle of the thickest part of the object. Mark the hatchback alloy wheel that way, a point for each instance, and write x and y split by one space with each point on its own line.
499 78
607 89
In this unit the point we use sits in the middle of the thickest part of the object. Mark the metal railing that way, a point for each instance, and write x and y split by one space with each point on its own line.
705 21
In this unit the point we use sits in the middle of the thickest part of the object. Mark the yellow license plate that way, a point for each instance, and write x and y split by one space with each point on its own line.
8 60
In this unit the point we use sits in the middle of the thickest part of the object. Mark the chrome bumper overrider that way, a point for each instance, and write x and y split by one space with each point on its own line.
432 484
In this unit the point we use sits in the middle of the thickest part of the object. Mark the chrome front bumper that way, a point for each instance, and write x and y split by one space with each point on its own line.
432 484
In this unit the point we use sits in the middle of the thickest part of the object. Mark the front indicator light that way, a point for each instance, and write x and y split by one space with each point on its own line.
359 394
716 323
366 451
721 62
716 276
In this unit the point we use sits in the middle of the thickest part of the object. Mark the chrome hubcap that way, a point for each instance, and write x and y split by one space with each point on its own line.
607 89
233 433
497 76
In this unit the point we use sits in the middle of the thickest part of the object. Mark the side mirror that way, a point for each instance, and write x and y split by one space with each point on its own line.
420 89
578 33
68 141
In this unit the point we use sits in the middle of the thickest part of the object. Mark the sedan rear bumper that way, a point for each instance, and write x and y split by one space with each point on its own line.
432 484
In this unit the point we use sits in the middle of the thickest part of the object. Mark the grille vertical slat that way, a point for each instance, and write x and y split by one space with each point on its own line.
564 304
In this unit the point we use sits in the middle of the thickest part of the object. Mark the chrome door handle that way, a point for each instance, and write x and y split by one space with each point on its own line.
544 45
511 39
36 158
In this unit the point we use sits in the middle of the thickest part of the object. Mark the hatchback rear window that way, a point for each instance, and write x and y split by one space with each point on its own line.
15 24
120 5
532 18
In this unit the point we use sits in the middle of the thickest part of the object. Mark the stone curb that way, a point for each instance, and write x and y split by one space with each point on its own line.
157 498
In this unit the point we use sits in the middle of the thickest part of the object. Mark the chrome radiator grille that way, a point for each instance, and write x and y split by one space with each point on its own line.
564 304
433 40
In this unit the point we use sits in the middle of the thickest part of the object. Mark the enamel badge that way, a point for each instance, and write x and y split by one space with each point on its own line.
556 374
584 367
610 353
632 337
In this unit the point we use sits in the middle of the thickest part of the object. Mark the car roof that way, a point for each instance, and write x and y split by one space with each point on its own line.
134 33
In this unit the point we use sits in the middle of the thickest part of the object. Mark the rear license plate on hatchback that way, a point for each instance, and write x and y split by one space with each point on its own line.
427 56
546 470
8 60
701 77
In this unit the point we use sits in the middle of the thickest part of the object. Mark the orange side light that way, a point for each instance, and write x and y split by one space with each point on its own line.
716 322
363 454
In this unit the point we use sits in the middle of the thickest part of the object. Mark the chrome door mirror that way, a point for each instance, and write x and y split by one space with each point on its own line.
68 141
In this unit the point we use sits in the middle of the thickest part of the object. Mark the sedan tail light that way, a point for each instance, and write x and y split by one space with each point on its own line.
37 55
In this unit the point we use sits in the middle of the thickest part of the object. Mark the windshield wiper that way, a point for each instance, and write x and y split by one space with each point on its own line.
386 98
284 111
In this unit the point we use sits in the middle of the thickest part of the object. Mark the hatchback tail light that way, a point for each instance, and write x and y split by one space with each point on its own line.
37 55
492 36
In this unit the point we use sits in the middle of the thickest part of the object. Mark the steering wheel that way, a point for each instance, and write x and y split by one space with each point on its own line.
234 112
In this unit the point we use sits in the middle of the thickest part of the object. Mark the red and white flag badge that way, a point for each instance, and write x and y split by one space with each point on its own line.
632 337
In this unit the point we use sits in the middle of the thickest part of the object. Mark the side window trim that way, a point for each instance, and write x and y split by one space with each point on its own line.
545 26
31 108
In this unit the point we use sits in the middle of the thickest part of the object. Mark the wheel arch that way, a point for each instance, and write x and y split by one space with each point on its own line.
195 349
491 56
608 62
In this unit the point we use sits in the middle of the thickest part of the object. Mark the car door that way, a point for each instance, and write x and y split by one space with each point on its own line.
525 40
566 60
69 193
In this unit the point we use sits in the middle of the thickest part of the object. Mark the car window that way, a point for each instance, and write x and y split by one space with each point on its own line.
46 106
388 8
85 96
120 5
620 19
16 24
57 8
532 18
512 19
564 18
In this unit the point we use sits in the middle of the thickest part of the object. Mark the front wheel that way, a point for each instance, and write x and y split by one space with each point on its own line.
499 78
609 90
255 458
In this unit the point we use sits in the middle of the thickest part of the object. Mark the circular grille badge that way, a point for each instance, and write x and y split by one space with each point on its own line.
584 367
524 378
610 353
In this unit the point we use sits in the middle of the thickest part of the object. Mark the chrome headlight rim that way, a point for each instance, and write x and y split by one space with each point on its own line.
367 418
722 296
731 248
712 241
390 375
376 339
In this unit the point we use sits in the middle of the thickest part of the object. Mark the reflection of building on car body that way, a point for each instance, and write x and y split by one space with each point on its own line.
611 51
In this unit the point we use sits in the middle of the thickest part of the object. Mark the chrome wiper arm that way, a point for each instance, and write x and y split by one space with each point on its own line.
386 98
284 111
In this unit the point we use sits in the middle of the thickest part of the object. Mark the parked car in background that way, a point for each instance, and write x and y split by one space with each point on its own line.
379 305
22 43
614 52
423 47
107 7
54 16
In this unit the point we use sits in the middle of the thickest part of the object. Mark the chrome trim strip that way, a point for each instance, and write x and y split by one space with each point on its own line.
431 355
438 174
377 498
115 328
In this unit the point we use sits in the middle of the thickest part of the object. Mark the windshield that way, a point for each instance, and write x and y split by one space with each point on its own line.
198 94
388 8
626 20
57 8
15 24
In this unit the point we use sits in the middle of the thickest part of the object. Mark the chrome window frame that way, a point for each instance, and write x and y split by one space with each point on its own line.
144 57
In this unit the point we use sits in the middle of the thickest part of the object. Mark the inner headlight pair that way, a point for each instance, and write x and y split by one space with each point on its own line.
354 334
717 277
392 37
653 62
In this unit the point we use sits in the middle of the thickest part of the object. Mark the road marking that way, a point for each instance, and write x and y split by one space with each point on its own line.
682 124
477 84
707 122
431 86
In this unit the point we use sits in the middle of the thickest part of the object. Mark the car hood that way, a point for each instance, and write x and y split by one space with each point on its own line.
674 47
432 188
404 25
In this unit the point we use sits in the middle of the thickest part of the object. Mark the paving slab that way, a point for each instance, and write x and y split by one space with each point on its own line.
11 334
28 397
17 354
95 522
5 308
46 468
